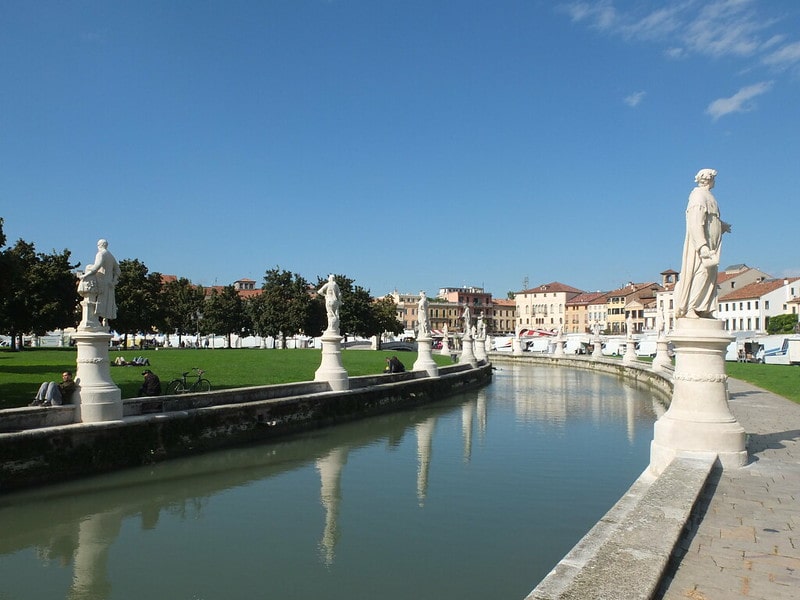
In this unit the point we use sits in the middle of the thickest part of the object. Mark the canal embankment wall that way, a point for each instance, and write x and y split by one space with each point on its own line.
640 372
43 445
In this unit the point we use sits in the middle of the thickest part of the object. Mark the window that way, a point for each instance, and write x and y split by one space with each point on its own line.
766 304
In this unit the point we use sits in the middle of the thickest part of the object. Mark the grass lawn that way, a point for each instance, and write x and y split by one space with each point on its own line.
779 379
21 373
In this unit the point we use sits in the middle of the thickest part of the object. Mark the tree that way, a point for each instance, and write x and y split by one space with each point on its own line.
182 305
225 313
138 293
386 319
284 306
782 324
39 291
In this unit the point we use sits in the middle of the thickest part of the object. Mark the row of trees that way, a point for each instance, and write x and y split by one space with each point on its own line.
39 294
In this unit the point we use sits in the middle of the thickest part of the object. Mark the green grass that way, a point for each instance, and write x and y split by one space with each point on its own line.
779 379
21 373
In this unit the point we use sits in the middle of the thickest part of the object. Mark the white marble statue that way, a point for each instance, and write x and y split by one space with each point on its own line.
333 300
422 315
696 290
98 282
467 320
481 327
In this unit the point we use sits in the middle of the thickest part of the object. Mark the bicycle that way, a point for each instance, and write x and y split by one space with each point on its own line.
181 385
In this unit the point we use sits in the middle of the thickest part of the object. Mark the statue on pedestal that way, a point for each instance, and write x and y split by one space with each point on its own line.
422 315
696 290
97 284
333 300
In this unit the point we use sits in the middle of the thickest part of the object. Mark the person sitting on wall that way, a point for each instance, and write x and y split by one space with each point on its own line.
54 394
151 385
393 365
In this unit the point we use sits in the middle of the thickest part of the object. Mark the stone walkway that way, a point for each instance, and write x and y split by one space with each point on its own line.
747 544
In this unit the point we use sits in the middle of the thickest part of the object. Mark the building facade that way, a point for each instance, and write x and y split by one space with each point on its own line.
545 306
750 308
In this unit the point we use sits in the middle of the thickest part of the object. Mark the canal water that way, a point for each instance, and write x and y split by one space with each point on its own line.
477 496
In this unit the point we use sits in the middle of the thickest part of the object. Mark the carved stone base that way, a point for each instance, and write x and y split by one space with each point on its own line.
662 361
467 355
97 396
331 369
425 360
479 348
699 419
629 357
597 351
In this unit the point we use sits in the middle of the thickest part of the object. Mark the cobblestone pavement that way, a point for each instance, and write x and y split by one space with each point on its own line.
747 544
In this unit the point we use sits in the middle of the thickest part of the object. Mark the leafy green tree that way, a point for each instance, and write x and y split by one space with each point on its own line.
137 293
225 313
284 307
386 319
782 324
182 303
39 292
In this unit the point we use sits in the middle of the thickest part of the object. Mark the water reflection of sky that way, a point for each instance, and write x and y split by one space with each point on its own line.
477 496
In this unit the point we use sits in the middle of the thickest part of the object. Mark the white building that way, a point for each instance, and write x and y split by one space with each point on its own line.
750 308
544 307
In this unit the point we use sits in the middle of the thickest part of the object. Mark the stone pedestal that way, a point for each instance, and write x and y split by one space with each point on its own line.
445 346
516 346
662 361
597 351
467 355
630 352
559 347
331 369
699 419
97 397
425 360
479 348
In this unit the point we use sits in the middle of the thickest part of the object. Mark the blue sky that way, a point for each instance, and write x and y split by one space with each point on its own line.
406 144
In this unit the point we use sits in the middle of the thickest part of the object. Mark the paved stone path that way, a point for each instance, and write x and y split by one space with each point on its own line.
747 544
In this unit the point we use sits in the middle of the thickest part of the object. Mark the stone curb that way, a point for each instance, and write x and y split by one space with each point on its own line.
625 555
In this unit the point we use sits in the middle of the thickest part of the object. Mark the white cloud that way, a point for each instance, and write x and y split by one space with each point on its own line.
739 102
718 28
784 57
634 99
599 15
675 53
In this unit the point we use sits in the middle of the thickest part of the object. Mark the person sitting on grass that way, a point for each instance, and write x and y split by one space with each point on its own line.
54 394
393 365
151 385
